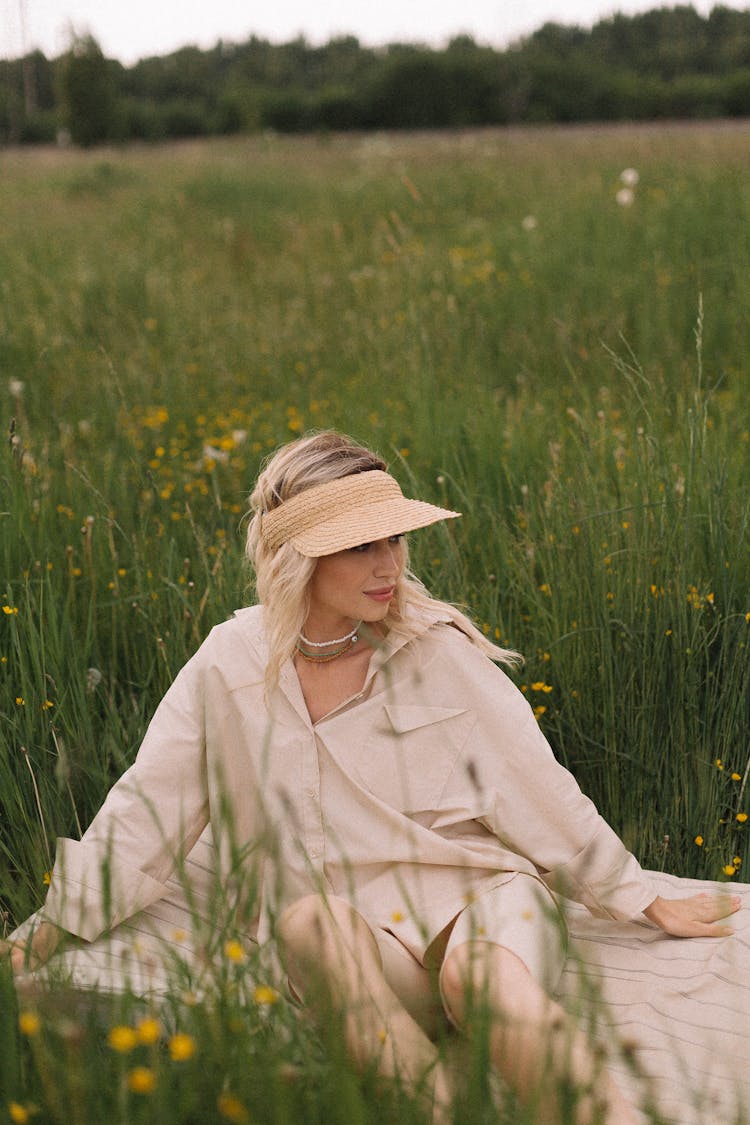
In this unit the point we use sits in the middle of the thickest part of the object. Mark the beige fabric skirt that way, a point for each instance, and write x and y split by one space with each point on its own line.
674 1013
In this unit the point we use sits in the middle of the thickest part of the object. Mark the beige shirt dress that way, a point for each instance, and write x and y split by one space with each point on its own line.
430 786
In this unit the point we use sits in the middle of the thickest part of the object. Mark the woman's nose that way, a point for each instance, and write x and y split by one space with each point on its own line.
388 558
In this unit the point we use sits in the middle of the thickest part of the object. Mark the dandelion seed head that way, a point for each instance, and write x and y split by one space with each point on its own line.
93 679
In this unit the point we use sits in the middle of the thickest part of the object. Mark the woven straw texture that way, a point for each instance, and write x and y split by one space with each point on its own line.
345 513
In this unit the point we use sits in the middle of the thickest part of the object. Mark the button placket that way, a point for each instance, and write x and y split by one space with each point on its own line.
315 839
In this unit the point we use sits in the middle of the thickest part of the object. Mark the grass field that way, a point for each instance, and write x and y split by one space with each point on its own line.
565 365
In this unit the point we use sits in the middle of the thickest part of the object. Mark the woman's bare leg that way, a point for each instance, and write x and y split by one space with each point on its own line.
534 1043
332 957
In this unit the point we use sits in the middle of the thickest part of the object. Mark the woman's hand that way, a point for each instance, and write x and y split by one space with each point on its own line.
35 953
697 916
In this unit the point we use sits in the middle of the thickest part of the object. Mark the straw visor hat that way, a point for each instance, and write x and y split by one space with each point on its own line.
342 513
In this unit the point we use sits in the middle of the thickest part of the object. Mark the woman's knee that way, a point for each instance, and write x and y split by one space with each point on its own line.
479 973
320 926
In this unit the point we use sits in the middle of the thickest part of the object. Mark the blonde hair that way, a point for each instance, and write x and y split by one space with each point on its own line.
282 576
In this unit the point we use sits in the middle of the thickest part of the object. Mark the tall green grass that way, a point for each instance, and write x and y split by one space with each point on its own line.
569 372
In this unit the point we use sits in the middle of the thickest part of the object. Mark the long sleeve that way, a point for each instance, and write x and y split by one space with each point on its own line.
508 779
150 819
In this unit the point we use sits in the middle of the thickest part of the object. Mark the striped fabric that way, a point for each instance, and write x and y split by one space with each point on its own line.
680 1007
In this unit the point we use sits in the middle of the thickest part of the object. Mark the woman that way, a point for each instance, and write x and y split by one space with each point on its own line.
383 801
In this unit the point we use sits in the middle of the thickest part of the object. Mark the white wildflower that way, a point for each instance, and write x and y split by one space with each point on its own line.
212 453
528 222
16 387
629 177
625 197
93 679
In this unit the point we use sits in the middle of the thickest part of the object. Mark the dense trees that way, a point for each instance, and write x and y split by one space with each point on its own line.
668 62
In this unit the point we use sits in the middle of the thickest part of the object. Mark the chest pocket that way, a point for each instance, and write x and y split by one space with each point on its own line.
410 754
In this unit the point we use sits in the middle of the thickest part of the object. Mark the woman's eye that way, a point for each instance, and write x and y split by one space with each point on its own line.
362 547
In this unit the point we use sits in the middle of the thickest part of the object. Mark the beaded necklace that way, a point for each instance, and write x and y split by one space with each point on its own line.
306 648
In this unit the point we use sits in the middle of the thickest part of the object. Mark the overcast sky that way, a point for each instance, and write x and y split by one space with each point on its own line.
133 29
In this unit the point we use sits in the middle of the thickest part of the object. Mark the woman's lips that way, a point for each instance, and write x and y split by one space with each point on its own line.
383 595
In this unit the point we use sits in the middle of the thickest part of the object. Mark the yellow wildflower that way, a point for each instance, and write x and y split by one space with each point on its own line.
122 1038
729 869
148 1030
264 994
18 1113
741 817
699 841
232 1109
181 1047
736 777
9 610
141 1080
233 951
29 1023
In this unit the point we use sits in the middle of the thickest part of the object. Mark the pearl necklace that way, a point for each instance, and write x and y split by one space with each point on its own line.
336 641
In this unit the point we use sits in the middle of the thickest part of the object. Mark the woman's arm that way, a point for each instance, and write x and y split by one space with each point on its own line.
36 952
697 916
151 818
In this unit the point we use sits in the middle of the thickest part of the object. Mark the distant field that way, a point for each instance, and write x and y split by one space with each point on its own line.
526 333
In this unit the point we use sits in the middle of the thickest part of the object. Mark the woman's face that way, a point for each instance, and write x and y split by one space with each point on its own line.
354 585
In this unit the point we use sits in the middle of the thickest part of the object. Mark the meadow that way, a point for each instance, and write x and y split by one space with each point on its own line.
527 335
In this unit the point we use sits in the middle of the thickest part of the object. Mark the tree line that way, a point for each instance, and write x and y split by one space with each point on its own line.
665 63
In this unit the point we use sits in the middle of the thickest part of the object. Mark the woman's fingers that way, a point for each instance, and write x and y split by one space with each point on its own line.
25 955
698 916
711 907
